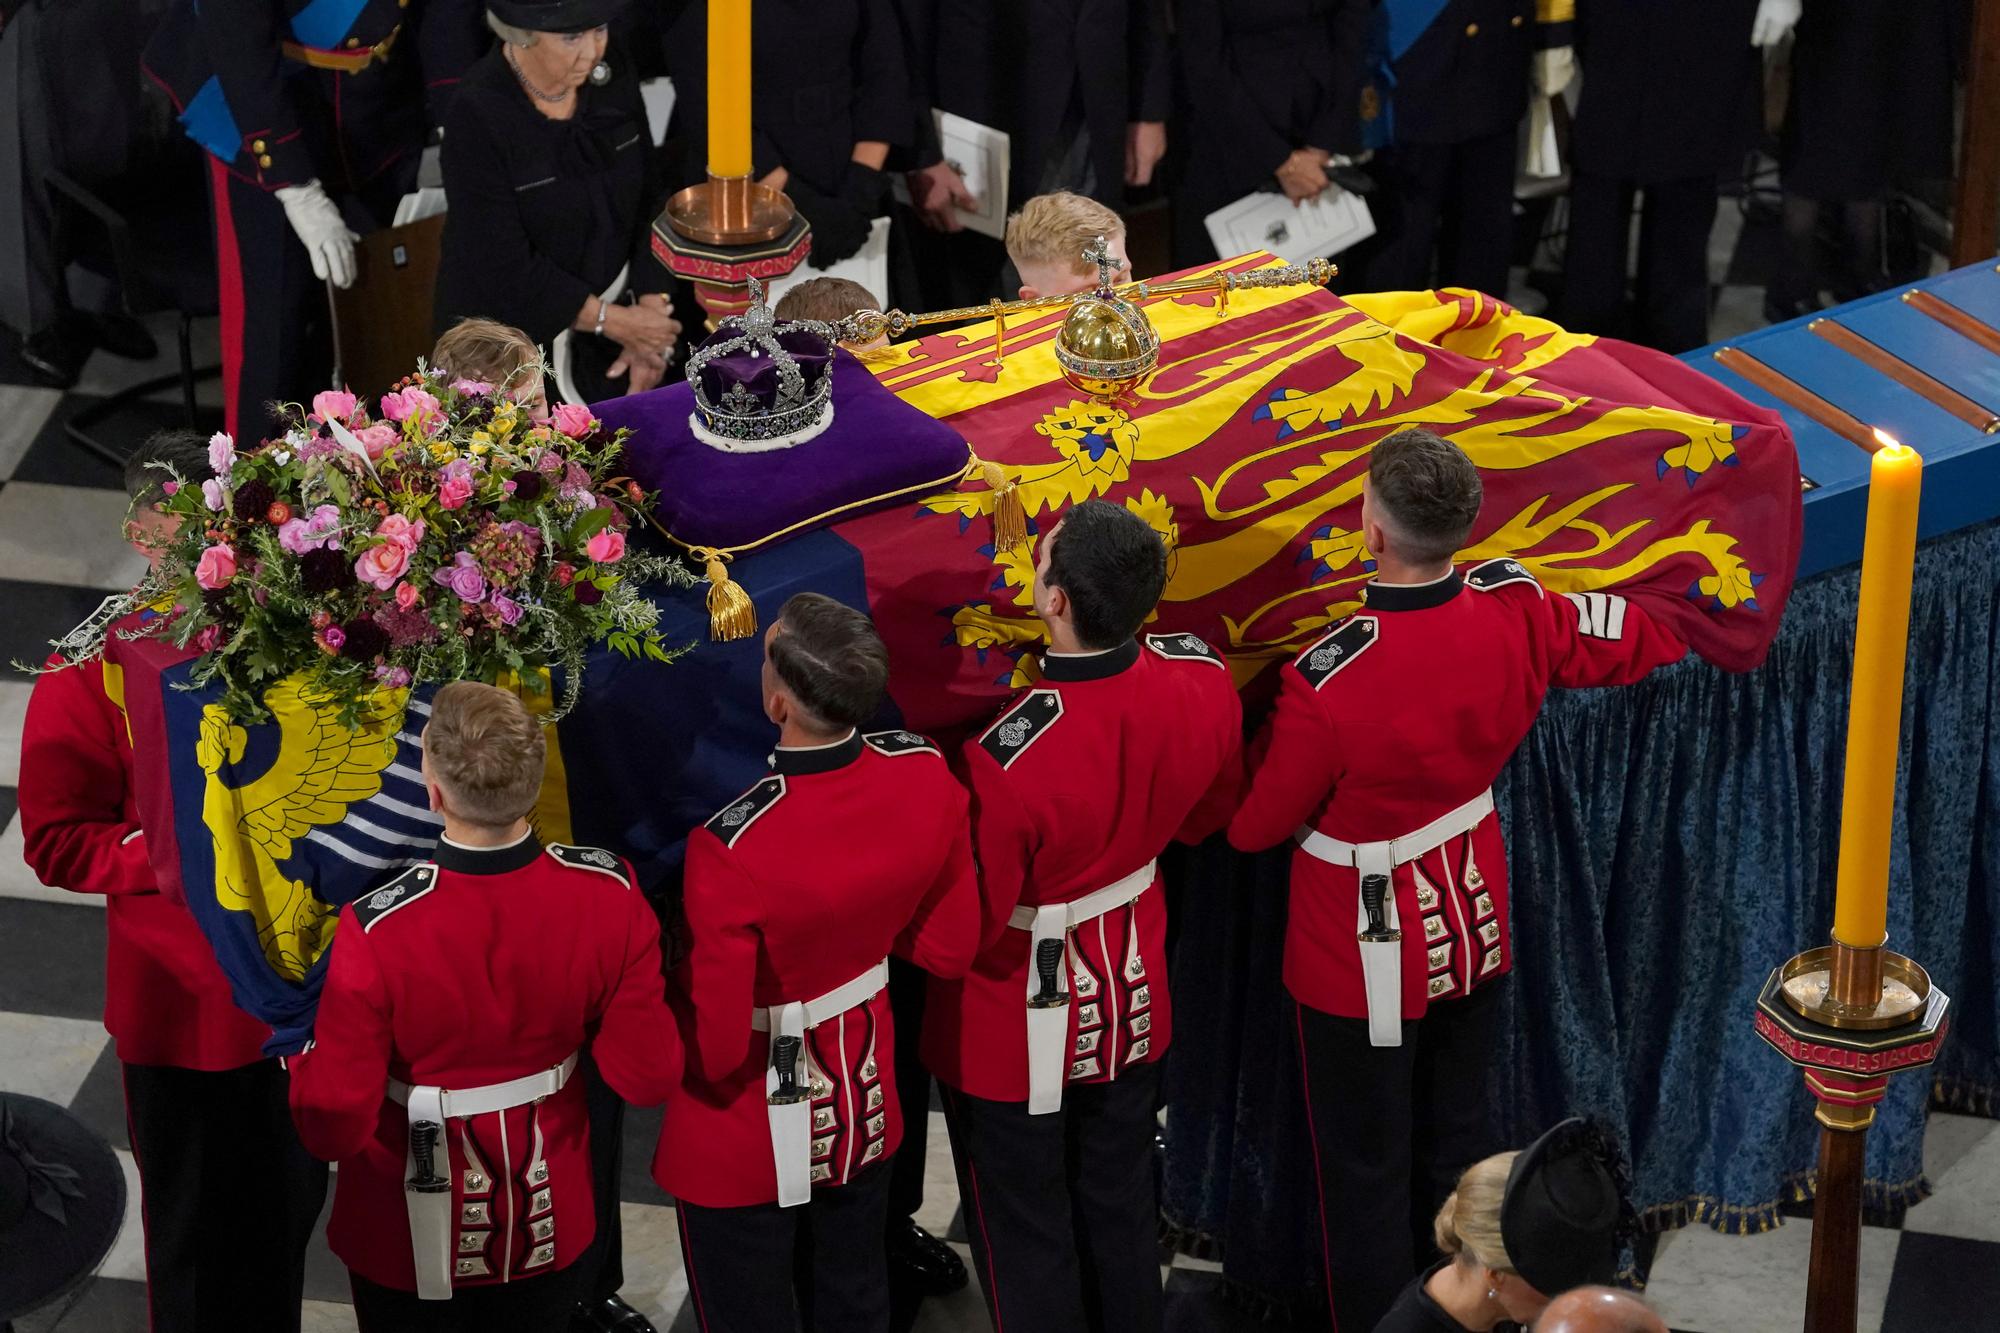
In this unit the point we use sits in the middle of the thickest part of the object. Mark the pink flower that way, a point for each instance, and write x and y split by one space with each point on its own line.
474 388
454 492
221 454
509 609
332 405
400 531
170 487
380 566
332 637
311 533
572 420
607 547
209 639
377 439
213 495
413 402
462 576
407 595
215 568
394 677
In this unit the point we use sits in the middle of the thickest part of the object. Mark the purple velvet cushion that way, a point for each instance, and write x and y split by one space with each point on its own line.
879 450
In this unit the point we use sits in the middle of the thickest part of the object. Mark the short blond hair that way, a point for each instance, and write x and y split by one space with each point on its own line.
1468 1226
1058 228
825 299
486 752
486 350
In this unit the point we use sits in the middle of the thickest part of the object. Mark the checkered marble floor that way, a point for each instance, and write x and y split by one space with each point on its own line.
60 554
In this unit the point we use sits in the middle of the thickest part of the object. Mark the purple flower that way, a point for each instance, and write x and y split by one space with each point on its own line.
212 494
312 533
509 609
462 576
335 637
394 677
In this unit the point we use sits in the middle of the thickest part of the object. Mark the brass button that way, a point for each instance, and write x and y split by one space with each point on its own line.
1514 22
353 41
257 147
1472 30
264 161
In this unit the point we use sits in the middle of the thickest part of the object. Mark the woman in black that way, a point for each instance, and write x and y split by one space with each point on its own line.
1520 1228
552 192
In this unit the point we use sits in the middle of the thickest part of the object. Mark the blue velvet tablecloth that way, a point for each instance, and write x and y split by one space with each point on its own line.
1669 844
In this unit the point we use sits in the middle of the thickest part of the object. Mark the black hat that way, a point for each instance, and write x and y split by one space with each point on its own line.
62 1200
555 15
1564 1216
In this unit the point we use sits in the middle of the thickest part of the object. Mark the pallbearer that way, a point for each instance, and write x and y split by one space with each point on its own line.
1380 760
778 1142
1049 1048
458 999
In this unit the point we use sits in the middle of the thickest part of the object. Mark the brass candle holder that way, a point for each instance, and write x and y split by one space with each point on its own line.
724 232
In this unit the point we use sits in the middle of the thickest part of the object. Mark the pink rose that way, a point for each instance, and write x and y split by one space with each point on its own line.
377 439
311 533
454 492
170 487
407 595
221 454
215 568
572 420
209 639
471 388
332 405
462 576
400 531
509 609
212 494
607 547
413 402
394 677
380 566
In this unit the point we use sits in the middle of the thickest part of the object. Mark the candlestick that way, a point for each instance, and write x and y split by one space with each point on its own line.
729 88
1875 708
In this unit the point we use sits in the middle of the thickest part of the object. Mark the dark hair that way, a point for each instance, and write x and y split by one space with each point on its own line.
1113 566
831 659
1430 490
187 451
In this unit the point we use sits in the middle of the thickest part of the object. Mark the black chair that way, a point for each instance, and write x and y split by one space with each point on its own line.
151 237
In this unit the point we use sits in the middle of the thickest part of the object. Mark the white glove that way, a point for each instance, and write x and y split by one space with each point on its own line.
1554 69
321 230
1775 21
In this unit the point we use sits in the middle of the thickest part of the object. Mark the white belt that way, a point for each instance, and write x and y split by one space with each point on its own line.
1048 1011
789 1105
1382 956
430 1208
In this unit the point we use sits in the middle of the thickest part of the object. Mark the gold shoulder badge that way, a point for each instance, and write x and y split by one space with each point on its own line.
1337 651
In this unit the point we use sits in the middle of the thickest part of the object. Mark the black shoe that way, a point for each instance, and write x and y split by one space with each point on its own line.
608 1314
921 1260
123 336
57 353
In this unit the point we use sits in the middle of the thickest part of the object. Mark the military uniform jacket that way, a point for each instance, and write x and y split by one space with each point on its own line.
1084 780
1407 710
166 1001
251 82
844 855
483 966
1466 75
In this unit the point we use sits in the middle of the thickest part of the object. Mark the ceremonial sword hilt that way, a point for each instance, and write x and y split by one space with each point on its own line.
785 1057
1048 966
423 1147
1374 901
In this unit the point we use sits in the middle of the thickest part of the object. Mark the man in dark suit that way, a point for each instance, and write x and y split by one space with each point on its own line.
1081 87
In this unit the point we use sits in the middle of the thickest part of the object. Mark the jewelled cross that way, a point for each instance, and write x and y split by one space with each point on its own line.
1098 252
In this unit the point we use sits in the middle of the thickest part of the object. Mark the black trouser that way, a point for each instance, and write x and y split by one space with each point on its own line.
1671 294
1061 1209
1392 1129
1454 201
230 1197
531 1305
601 1268
738 1259
907 986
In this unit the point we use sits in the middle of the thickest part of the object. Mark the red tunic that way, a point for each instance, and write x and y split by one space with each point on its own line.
845 855
1407 710
484 966
1081 782
166 1001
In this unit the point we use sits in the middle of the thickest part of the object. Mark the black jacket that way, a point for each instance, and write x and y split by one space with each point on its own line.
1669 90
1467 76
1016 64
543 213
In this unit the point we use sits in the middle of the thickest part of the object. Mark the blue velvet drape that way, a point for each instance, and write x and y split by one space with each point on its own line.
1669 844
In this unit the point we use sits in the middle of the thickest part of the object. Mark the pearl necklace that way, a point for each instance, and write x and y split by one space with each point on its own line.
532 90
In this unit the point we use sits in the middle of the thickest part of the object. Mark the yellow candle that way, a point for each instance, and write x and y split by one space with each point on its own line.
1875 708
729 87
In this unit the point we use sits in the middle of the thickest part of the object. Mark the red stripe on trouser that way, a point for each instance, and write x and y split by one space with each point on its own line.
979 1211
1319 1181
687 1263
229 292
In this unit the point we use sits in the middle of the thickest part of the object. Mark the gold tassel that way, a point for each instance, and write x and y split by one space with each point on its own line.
731 615
1010 519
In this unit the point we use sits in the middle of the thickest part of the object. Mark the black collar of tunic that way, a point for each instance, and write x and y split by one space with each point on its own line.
819 758
488 860
1412 596
1090 666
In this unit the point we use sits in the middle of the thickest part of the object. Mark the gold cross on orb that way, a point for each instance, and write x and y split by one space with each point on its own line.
1098 252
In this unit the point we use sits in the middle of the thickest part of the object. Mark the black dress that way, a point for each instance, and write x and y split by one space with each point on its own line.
1415 1311
543 213
1871 98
